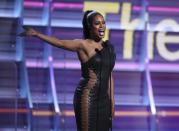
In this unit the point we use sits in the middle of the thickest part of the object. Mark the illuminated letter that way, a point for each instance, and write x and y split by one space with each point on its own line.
150 44
167 24
162 40
125 18
102 7
128 39
128 35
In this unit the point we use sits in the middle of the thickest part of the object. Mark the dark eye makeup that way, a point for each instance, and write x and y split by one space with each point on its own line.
98 22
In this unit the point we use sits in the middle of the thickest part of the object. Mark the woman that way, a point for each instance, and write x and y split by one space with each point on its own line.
94 96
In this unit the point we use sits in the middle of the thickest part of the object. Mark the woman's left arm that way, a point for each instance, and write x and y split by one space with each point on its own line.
111 86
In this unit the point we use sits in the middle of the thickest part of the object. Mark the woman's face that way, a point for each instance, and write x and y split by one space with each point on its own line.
98 28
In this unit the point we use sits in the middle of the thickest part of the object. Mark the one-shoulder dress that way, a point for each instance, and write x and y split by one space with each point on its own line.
92 103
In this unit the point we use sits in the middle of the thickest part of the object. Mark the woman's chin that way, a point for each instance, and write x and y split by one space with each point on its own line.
102 36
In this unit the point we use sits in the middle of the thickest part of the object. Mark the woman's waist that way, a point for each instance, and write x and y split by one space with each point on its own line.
91 82
92 86
94 79
93 94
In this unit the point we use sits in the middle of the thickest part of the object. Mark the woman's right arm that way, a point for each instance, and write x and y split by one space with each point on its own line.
72 45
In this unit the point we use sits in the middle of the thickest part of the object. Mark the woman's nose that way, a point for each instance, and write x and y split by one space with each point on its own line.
101 24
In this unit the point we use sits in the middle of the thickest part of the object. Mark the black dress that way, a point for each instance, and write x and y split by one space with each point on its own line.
91 100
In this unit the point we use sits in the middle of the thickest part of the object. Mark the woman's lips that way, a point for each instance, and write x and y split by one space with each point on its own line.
101 32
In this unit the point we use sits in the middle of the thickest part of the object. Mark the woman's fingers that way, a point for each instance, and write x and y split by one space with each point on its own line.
25 27
28 32
22 34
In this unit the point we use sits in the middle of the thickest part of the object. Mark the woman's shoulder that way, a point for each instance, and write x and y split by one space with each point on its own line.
83 41
108 43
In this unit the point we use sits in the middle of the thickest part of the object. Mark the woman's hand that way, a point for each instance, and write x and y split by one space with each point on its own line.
29 32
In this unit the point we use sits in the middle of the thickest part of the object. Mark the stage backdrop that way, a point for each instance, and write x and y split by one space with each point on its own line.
37 81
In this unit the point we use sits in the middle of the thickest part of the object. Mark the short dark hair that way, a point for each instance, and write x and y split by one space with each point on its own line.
87 22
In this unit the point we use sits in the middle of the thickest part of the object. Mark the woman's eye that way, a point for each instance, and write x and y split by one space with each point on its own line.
96 23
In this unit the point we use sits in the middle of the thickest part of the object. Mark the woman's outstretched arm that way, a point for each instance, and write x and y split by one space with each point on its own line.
72 45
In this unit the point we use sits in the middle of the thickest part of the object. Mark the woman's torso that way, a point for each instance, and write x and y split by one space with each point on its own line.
97 69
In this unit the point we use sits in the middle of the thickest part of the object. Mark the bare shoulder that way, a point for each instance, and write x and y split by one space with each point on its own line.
87 42
83 53
79 41
82 42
